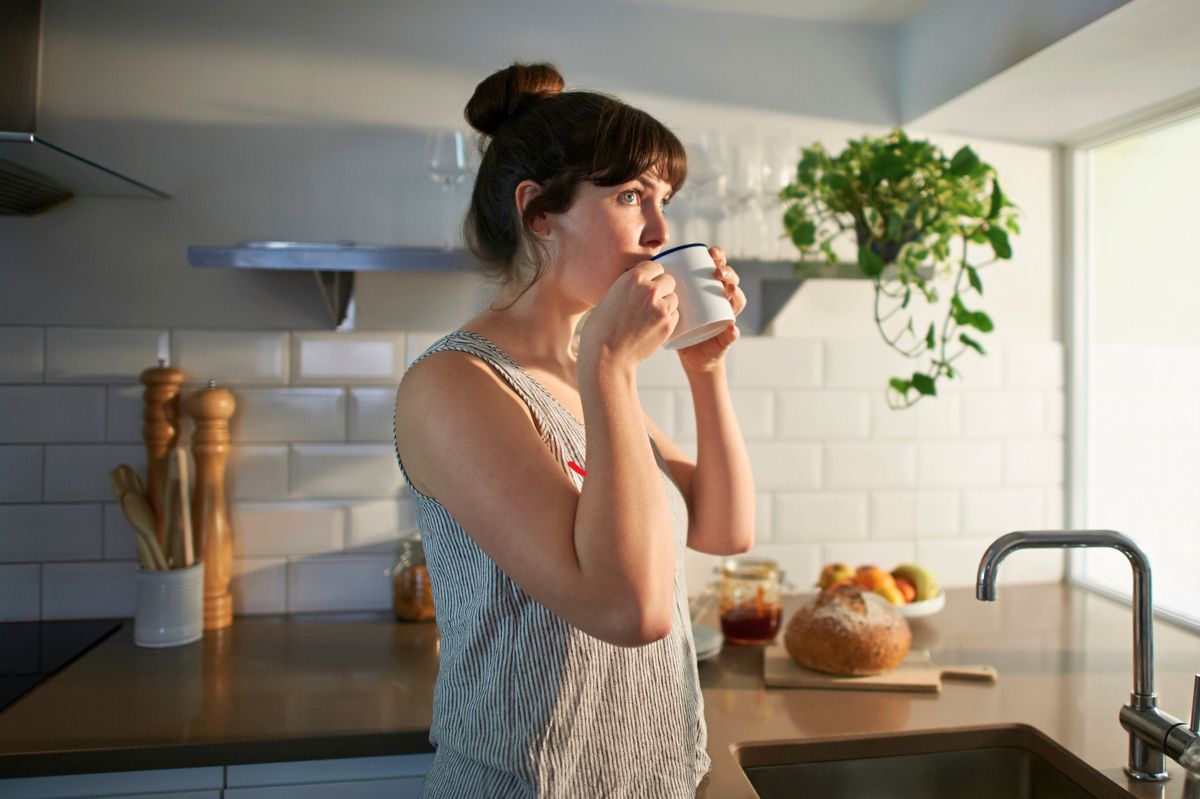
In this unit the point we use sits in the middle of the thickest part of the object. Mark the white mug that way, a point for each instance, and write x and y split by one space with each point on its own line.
704 310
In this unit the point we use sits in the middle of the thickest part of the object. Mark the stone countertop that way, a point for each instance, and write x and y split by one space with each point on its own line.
274 688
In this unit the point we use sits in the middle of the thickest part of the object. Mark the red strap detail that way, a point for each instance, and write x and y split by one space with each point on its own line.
575 466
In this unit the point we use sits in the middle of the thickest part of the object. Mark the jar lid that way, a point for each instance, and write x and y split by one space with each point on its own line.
749 568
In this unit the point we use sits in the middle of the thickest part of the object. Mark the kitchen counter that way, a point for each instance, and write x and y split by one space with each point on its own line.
354 685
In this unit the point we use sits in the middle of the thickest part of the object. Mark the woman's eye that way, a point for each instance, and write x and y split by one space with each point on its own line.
630 193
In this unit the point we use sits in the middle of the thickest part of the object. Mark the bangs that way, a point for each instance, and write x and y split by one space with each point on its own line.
629 143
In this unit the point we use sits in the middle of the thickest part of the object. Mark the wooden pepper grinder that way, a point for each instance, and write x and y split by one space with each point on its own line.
211 407
160 428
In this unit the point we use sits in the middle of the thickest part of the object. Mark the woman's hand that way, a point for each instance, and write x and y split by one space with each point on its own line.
708 354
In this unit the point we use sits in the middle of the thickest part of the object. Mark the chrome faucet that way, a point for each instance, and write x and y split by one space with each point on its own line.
1151 731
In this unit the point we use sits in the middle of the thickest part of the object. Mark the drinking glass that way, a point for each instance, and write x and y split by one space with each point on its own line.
449 157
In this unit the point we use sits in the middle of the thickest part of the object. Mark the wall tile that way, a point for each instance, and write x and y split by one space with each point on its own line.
932 417
287 528
948 464
979 373
661 370
784 467
866 364
44 532
372 414
914 514
80 473
800 563
20 591
102 354
120 542
231 357
1054 403
327 358
123 416
259 585
764 518
22 358
1033 462
1034 364
20 474
775 363
1002 414
37 415
339 583
257 472
378 526
659 405
89 590
1053 504
822 416
753 408
820 516
870 465
995 511
345 470
271 415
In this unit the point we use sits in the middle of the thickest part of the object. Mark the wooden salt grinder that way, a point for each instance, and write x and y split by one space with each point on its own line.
211 407
160 428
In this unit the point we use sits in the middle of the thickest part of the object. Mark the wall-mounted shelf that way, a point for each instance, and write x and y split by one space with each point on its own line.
768 285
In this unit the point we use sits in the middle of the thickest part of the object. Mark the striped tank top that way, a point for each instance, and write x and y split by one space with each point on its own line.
528 705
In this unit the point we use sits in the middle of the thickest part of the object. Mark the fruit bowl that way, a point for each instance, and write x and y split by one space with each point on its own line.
928 607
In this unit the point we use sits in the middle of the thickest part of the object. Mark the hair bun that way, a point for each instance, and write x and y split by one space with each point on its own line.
506 93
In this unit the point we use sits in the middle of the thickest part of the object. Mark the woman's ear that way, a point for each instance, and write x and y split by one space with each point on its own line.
526 191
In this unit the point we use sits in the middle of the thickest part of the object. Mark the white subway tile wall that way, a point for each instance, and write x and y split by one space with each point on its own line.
318 503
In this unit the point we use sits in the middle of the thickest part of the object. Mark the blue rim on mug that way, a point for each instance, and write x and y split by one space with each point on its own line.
680 247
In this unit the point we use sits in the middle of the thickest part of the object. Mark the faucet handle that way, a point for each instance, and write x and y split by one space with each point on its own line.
1194 726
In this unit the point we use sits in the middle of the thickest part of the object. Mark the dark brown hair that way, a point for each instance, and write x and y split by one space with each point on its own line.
533 130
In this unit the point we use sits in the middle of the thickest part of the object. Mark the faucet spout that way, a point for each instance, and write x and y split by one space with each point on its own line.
1148 726
1143 610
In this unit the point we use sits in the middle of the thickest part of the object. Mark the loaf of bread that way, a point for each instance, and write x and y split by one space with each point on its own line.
842 631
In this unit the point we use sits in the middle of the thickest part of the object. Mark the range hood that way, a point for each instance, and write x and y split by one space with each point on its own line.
35 174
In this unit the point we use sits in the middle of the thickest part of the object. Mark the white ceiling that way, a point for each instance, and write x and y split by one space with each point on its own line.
1138 61
868 12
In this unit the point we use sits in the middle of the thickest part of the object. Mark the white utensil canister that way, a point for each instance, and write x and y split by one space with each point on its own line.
170 607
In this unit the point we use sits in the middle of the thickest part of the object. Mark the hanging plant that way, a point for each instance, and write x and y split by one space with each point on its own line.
912 213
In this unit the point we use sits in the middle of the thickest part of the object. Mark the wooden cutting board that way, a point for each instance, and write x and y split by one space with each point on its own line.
916 673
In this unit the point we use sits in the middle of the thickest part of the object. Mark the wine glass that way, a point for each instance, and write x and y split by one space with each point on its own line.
449 158
708 180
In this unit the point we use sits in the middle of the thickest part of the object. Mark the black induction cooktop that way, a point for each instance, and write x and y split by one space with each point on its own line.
31 651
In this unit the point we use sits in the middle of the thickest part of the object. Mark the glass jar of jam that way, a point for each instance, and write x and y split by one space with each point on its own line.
412 594
750 600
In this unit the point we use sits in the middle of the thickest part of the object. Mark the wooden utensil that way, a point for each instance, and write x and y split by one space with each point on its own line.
185 508
211 409
916 673
124 481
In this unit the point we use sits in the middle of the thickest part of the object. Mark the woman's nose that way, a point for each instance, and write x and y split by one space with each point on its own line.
655 233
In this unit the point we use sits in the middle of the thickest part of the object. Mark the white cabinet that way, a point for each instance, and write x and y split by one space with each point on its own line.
387 777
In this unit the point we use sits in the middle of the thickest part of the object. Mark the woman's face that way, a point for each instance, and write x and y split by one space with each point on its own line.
607 231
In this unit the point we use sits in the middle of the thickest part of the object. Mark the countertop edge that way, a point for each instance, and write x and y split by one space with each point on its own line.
139 757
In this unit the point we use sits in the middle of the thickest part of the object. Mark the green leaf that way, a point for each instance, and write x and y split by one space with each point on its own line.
895 225
907 297
999 241
965 162
959 311
981 322
871 264
930 338
924 384
973 278
972 343
804 234
997 200
900 385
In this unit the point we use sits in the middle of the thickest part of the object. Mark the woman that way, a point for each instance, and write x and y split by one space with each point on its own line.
567 666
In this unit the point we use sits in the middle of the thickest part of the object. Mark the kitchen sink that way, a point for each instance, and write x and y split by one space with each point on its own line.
1012 761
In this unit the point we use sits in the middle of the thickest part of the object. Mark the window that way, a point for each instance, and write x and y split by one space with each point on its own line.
1135 383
